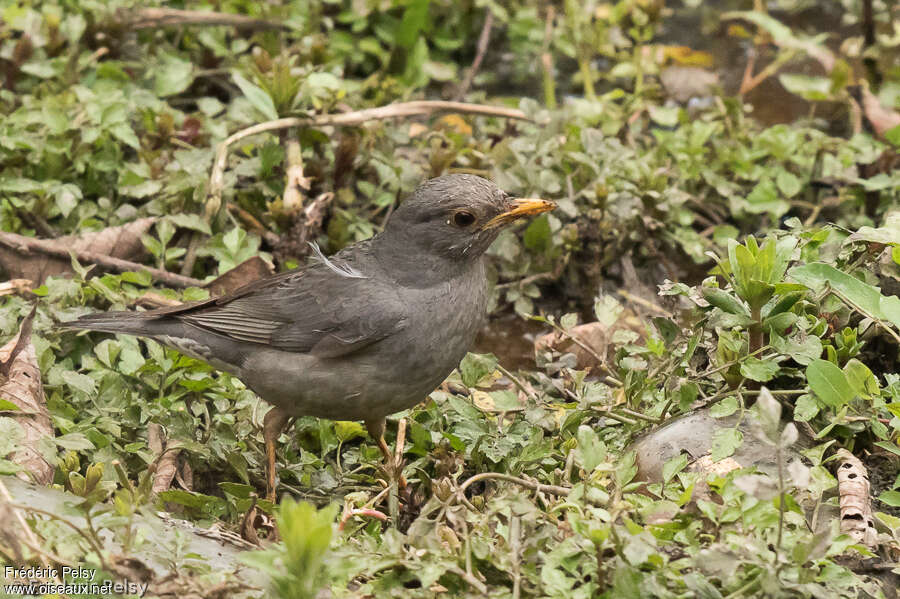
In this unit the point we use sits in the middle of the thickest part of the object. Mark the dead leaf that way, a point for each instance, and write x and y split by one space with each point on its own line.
855 499
166 458
20 384
454 122
596 335
123 242
882 119
417 129
15 286
685 82
246 272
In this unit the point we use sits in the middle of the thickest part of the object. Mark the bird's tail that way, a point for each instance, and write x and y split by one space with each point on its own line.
130 323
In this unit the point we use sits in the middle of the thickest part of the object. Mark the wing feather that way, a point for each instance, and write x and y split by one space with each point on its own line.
314 309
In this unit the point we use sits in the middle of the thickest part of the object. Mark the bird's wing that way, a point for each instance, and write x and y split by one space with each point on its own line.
328 309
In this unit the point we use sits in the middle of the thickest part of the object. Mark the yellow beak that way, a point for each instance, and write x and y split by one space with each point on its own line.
519 207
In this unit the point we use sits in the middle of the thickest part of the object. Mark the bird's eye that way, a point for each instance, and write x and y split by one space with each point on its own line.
463 218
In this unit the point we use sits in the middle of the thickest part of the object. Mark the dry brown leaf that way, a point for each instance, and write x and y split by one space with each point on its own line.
122 242
246 272
855 499
15 286
595 335
166 458
685 82
881 118
20 383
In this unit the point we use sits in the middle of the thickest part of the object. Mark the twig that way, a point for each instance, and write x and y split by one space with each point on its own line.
190 257
548 80
29 534
608 413
515 545
474 582
515 380
590 350
296 183
482 47
91 541
362 512
25 245
534 486
401 440
358 117
253 224
646 303
528 280
149 18
859 309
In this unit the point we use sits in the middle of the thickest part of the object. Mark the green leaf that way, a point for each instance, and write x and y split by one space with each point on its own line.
805 408
829 383
78 381
74 442
257 97
173 76
891 498
807 87
893 136
724 443
726 407
190 221
591 449
788 183
867 298
11 434
348 429
8 406
475 366
724 301
537 236
414 19
674 466
759 370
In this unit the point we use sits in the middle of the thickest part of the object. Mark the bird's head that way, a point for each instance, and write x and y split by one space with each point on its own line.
458 216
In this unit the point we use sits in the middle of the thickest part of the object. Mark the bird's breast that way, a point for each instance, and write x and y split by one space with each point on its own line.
443 322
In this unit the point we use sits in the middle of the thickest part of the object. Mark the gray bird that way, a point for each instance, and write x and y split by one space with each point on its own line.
358 336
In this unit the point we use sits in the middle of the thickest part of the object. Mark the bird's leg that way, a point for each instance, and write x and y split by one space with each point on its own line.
393 466
273 425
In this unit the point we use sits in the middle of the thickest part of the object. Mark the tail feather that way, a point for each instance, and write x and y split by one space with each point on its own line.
132 323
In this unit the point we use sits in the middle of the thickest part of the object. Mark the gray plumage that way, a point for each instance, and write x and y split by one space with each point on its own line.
368 332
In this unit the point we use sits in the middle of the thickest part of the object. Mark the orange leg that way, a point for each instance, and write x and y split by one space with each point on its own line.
394 468
273 425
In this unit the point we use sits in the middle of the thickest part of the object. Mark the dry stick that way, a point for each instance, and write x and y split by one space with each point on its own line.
887 329
517 382
51 247
190 257
469 578
610 378
534 486
528 280
482 47
401 440
149 18
636 299
515 545
254 225
402 109
548 81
